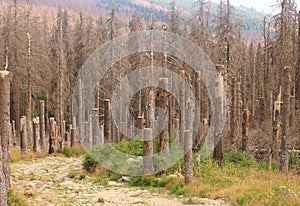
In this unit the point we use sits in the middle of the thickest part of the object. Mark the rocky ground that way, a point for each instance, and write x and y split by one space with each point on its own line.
61 181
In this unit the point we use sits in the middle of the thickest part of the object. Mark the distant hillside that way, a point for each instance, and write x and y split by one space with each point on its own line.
251 20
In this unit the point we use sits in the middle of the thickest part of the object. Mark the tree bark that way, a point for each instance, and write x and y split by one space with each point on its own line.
80 111
52 136
284 159
188 142
148 151
107 121
276 128
42 124
36 135
182 110
3 197
73 137
198 109
245 130
5 125
23 136
163 103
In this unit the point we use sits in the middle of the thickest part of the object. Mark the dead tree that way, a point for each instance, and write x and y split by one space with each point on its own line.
218 136
23 136
245 130
148 151
188 142
42 124
286 89
80 111
198 109
73 137
36 135
5 125
3 198
276 128
90 132
182 103
107 121
163 103
14 135
234 112
52 136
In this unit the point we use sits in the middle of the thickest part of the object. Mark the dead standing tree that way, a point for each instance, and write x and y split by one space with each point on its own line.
286 89
4 135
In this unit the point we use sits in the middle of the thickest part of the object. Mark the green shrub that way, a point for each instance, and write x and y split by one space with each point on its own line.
73 152
14 199
89 164
294 161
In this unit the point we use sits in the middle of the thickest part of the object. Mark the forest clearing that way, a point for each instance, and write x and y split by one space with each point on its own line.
138 103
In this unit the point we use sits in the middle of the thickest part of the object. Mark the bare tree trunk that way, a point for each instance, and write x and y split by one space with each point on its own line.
284 159
245 130
36 135
107 121
42 124
5 125
29 88
23 136
148 151
52 136
233 119
198 109
90 131
162 101
95 124
182 110
3 197
188 142
14 136
218 136
73 137
276 128
80 111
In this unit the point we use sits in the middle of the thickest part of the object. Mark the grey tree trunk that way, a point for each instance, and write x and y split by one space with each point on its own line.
148 151
286 89
36 135
188 142
3 198
276 128
107 121
52 136
80 111
182 111
73 137
23 136
198 109
42 124
5 125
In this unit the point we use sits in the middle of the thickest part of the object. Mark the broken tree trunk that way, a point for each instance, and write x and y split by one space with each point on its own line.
286 89
23 136
52 136
148 151
5 125
36 135
42 124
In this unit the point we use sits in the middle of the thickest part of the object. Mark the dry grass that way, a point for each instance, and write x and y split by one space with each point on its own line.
246 186
15 155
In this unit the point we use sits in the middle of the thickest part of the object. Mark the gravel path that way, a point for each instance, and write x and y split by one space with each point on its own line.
56 181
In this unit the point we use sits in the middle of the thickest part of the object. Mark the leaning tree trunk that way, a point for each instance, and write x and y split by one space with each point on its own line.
286 89
4 134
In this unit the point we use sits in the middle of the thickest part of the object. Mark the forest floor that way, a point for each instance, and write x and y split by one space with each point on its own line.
62 181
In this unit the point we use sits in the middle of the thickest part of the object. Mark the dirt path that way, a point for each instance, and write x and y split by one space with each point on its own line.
50 181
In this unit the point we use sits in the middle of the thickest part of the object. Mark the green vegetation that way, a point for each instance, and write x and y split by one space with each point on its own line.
14 199
243 181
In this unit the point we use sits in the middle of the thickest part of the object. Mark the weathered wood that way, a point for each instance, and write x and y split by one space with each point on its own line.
245 130
42 124
188 142
80 111
67 140
5 128
163 103
95 125
23 136
73 137
3 197
219 109
107 121
234 112
52 136
286 89
36 135
182 103
148 151
198 109
13 131
90 131
276 128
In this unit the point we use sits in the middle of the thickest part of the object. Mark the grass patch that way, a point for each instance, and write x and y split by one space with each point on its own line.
73 152
15 155
14 199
